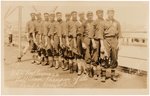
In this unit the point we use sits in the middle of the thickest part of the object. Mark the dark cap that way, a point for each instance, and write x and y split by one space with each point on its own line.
73 12
52 14
99 11
46 14
89 13
32 13
111 10
67 14
58 13
81 13
38 13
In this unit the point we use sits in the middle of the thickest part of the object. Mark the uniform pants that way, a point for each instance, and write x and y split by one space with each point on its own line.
111 45
32 44
71 44
87 42
96 53
79 46
49 47
44 49
64 49
56 47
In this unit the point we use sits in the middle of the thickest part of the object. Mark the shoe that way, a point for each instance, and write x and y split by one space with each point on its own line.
79 72
13 44
54 63
66 68
57 65
62 65
19 59
95 73
85 72
114 78
103 75
103 78
8 45
71 68
33 62
38 63
51 64
75 68
44 63
90 73
95 77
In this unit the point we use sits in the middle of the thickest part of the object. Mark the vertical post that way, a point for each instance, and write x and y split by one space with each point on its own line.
19 29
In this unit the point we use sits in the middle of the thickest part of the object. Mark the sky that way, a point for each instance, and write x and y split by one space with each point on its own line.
133 15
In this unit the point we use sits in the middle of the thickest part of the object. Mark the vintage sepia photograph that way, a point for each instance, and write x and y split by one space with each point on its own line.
82 47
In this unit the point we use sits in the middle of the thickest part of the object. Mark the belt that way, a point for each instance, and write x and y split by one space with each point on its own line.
70 36
110 36
97 39
64 36
45 35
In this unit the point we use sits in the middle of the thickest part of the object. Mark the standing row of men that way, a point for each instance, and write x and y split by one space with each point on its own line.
69 43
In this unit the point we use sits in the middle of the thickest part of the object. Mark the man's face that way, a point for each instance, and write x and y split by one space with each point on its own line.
81 16
110 14
74 15
90 16
59 16
33 16
67 17
38 16
52 17
46 16
99 14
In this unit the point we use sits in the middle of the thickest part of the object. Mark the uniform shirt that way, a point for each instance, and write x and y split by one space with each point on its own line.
82 21
59 28
30 26
112 28
81 28
99 26
45 28
67 27
51 30
38 26
89 28
74 27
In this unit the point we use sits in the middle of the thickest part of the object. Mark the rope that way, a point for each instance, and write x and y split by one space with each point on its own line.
34 8
7 11
11 12
55 8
